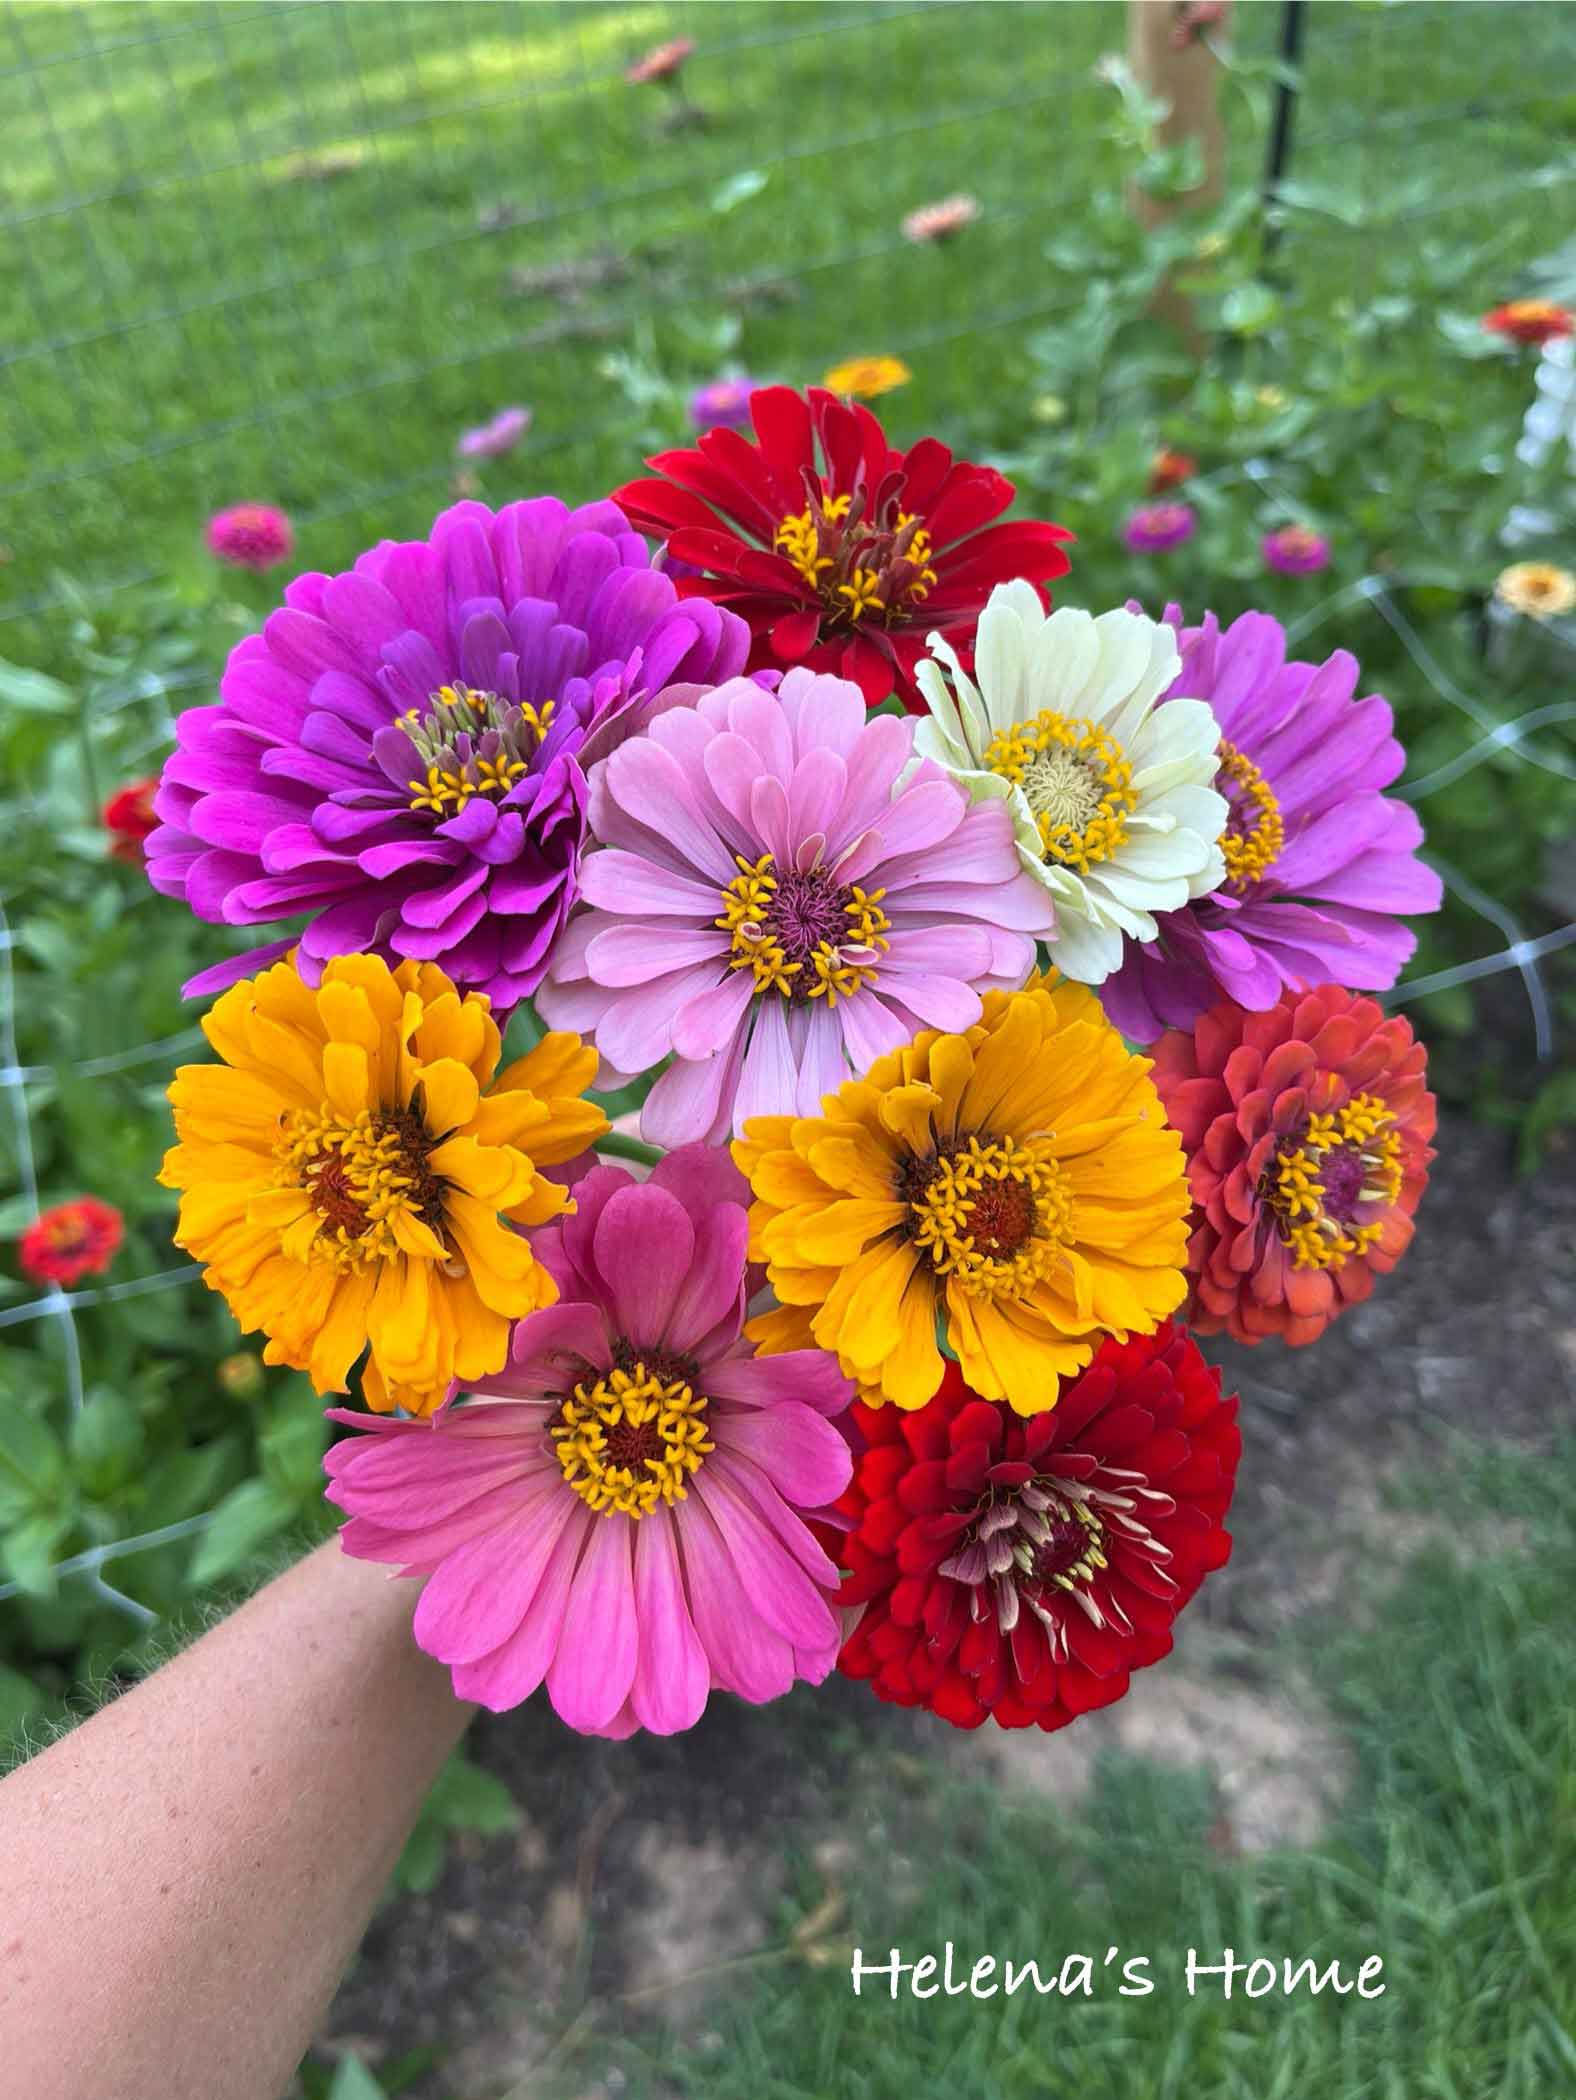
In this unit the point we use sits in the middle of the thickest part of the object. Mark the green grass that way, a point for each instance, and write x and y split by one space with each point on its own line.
1454 1861
190 320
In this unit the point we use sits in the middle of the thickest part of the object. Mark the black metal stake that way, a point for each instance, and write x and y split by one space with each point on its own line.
1286 90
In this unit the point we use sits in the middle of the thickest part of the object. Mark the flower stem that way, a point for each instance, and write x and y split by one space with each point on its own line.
620 1147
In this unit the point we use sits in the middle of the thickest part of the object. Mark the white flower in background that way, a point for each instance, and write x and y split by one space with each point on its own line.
1112 797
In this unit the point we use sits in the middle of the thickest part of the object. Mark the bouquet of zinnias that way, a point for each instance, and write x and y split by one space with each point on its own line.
855 873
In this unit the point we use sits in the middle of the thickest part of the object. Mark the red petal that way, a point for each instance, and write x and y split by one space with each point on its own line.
795 636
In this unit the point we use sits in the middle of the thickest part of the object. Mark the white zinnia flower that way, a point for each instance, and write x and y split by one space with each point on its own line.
1112 798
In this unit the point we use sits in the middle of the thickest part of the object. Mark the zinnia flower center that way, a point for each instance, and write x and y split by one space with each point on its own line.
1317 1185
67 1232
631 1439
1255 831
992 1214
363 1176
1077 780
471 743
1050 1540
801 932
858 567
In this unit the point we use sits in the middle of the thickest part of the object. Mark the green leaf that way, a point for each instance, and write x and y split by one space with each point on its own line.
106 1440
30 1549
739 189
20 1699
421 1862
247 1517
33 692
1248 309
353 2081
32 1465
467 1798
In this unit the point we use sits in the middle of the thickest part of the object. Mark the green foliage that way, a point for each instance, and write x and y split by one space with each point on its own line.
463 1797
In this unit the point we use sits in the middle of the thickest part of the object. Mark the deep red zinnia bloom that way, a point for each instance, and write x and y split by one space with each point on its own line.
1307 1132
1021 1568
1169 469
73 1240
841 552
1530 320
128 818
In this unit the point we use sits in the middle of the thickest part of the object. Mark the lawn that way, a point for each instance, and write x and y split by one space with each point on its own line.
257 251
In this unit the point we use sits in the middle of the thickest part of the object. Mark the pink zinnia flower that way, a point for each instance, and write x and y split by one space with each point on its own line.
664 62
622 1511
722 404
1158 526
1295 551
782 896
250 536
939 221
492 440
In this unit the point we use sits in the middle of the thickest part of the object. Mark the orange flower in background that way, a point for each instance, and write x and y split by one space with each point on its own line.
939 221
661 63
128 817
865 377
1530 320
1536 589
73 1240
1168 470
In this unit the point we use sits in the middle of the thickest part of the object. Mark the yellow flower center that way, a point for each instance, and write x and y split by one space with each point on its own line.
857 566
992 1214
471 743
631 1440
1343 1161
1077 780
1255 831
802 933
361 1175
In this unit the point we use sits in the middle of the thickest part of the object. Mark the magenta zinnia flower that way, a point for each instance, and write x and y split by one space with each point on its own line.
1157 526
250 536
778 905
622 1510
1295 550
1319 861
722 404
401 752
490 440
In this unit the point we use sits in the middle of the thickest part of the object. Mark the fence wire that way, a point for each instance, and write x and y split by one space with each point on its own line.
62 340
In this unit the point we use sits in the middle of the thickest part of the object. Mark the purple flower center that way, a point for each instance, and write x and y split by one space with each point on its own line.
801 932
471 743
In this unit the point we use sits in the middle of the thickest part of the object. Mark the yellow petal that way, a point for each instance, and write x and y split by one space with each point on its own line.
449 1095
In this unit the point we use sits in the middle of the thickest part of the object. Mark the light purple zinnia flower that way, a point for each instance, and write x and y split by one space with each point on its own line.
622 1511
1319 860
722 404
402 752
779 900
492 440
1294 550
1157 526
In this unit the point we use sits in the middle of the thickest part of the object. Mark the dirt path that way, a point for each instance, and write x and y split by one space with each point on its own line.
643 1865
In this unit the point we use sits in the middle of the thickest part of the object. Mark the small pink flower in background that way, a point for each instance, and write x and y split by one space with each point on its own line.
665 62
1294 550
1194 18
939 221
250 536
722 404
779 900
501 435
621 1512
1157 526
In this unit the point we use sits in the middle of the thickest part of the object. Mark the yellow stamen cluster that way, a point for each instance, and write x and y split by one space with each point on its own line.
872 568
1077 780
363 1175
1249 853
631 1440
995 1216
1296 1183
836 969
451 734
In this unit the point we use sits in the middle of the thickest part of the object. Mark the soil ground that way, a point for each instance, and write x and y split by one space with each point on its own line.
645 1872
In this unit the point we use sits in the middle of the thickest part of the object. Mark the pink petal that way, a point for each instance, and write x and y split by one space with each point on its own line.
513 1671
746 1656
773 1581
810 1376
645 1244
805 1458
482 1592
672 1676
589 1678
715 1282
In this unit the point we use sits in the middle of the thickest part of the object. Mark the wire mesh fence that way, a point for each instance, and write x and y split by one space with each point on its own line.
357 224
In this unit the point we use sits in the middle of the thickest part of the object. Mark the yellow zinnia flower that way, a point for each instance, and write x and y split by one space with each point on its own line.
1536 589
866 377
1017 1184
345 1167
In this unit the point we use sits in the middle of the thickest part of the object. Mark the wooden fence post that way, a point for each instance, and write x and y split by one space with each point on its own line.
1173 65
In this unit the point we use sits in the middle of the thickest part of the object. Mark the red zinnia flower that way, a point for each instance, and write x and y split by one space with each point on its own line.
1530 320
128 817
75 1239
662 63
840 551
1022 1567
1168 470
1307 1132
